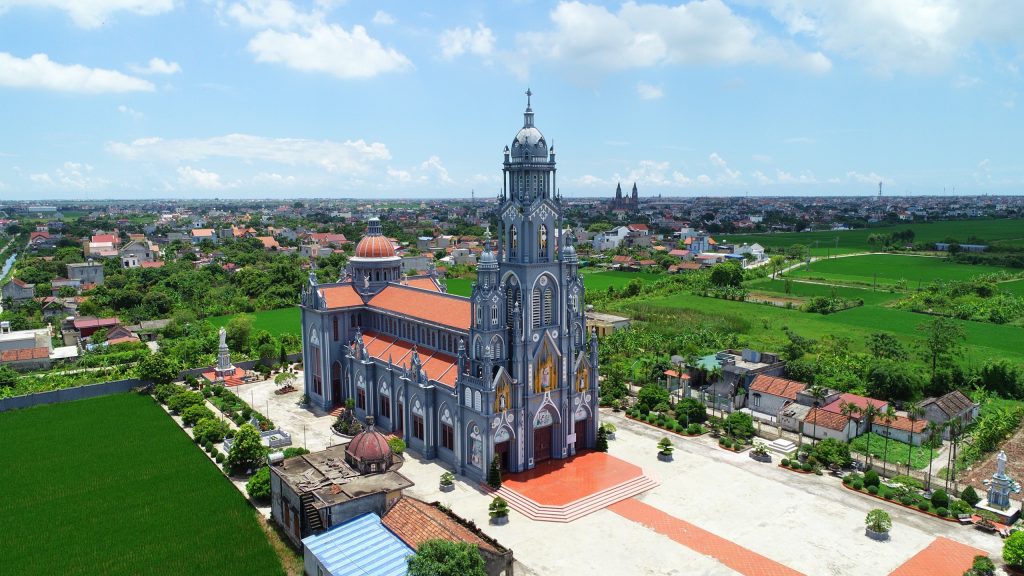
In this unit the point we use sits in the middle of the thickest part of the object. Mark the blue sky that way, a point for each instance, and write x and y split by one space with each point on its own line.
271 98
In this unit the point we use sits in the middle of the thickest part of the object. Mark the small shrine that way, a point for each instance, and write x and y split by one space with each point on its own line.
224 366
999 488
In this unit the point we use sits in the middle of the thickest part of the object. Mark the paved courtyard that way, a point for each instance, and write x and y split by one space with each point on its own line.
714 513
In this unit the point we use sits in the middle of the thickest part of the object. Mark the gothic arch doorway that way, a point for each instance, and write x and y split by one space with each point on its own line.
544 434
336 395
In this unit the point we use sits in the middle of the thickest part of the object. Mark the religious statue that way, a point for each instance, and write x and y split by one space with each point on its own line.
223 337
366 280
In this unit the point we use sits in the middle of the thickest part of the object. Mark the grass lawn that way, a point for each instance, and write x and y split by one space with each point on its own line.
767 324
806 290
1016 287
897 454
111 486
889 269
857 240
593 280
277 322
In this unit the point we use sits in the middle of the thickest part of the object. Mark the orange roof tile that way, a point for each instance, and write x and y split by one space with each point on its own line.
444 309
776 386
341 296
826 419
902 423
424 283
24 354
415 522
438 366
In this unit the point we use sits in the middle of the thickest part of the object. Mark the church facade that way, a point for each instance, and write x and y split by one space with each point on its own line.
629 203
508 372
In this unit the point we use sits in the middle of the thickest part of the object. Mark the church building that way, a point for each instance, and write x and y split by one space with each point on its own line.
508 372
629 203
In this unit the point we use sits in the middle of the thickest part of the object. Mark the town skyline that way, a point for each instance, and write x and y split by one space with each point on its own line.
278 99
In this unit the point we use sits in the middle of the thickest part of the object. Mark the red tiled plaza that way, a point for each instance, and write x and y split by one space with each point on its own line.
943 557
560 482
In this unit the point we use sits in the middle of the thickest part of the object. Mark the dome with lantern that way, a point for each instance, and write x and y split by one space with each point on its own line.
374 245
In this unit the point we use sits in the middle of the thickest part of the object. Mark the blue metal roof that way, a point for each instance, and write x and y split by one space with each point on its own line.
360 547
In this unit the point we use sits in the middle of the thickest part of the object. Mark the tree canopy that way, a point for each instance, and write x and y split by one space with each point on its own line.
446 558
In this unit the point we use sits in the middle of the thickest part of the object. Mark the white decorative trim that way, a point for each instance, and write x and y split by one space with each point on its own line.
384 387
502 435
446 415
417 406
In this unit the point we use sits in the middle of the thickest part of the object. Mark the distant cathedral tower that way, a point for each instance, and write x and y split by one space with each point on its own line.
628 204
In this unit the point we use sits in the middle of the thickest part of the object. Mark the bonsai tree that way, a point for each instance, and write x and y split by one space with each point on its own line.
247 450
760 448
970 496
447 479
602 440
494 473
1013 549
446 558
982 566
498 508
878 521
284 379
665 446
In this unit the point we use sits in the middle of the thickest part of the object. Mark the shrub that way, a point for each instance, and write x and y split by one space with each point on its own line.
163 392
940 499
397 445
207 393
182 400
858 484
848 479
924 505
785 462
494 473
807 467
258 486
1013 549
691 410
888 495
873 490
982 566
960 507
906 500
665 446
195 413
220 457
208 446
435 557
942 511
871 478
498 508
601 444
878 520
740 425
247 450
970 496
908 481
726 443
294 451
694 429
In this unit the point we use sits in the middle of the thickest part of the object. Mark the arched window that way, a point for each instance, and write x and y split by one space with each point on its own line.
494 314
513 241
469 397
477 401
511 299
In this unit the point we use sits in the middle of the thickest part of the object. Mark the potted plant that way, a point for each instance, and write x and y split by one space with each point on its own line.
609 429
878 523
665 449
498 511
447 482
760 452
304 401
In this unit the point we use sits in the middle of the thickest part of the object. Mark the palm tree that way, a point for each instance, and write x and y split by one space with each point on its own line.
776 262
934 437
818 392
914 413
870 412
850 410
956 428
888 415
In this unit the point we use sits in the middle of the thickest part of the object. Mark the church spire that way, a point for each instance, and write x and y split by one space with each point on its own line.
528 115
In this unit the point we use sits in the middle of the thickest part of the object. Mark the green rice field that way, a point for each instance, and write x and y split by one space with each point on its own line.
277 322
890 269
592 280
808 290
849 241
112 486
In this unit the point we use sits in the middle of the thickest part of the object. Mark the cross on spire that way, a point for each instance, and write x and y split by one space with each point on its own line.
529 93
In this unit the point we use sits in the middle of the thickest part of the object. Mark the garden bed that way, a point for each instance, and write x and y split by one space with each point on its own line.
672 430
744 448
949 518
797 470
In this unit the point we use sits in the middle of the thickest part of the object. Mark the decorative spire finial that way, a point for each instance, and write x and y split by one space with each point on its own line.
529 93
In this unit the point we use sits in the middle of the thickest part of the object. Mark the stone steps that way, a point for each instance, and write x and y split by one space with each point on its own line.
580 508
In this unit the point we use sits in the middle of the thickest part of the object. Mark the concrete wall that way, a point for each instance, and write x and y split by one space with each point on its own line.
70 394
245 365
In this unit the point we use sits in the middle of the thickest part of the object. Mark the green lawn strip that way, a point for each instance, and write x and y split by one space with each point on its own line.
875 444
123 490
459 286
891 268
277 322
809 290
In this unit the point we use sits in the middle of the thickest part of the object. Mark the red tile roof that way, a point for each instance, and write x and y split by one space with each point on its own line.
156 264
21 283
453 311
93 322
674 374
776 386
38 234
122 340
100 238
415 522
826 419
679 253
269 243
438 366
341 296
637 227
24 354
861 402
689 266
424 283
902 423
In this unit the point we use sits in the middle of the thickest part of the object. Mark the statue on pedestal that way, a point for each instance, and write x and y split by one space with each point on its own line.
224 365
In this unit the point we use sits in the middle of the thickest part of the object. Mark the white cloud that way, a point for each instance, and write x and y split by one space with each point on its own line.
274 178
94 13
157 66
70 175
328 48
589 181
806 177
278 14
38 71
190 177
434 166
648 92
799 140
130 112
644 35
869 178
349 156
457 41
726 174
382 18
761 178
914 35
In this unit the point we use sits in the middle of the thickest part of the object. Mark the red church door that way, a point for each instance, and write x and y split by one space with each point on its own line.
542 443
581 434
501 451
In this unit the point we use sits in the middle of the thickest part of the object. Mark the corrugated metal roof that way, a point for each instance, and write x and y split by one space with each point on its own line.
360 547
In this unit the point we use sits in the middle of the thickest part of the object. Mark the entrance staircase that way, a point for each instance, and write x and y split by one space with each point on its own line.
582 507
313 521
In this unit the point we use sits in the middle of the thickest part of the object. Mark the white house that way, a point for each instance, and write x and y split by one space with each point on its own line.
611 239
821 424
899 429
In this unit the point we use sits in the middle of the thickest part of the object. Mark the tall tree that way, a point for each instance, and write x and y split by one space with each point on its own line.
818 393
446 558
888 415
914 413
934 441
942 341
870 412
956 428
885 345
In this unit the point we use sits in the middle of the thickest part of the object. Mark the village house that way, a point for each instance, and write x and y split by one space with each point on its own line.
768 395
57 283
820 424
902 429
721 380
18 291
952 406
86 272
102 246
605 324
836 405
25 349
136 252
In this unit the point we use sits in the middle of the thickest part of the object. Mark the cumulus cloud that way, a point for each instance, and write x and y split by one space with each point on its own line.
726 174
190 177
38 71
382 18
278 14
912 35
648 92
157 66
94 13
351 156
646 35
869 178
70 176
458 41
328 48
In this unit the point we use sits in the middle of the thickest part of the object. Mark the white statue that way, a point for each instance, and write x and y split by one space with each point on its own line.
366 280
1001 464
223 337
